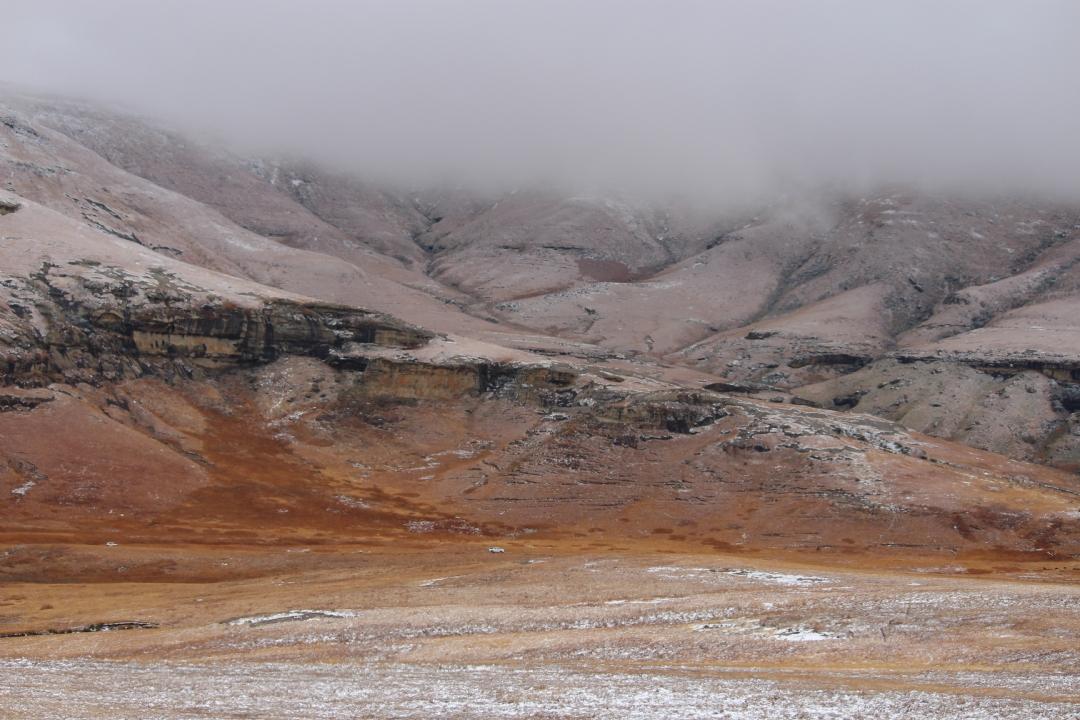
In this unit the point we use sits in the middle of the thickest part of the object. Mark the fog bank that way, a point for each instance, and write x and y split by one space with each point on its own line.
706 99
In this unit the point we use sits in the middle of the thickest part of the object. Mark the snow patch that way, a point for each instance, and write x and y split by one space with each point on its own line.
290 615
23 489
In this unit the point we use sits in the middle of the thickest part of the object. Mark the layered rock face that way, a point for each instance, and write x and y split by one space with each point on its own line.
279 327
406 380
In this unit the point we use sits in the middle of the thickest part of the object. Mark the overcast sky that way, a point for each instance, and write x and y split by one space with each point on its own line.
711 98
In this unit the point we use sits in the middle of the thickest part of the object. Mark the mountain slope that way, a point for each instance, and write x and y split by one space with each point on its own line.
879 304
207 406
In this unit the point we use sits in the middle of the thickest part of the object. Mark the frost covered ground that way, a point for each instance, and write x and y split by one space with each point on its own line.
136 691
458 632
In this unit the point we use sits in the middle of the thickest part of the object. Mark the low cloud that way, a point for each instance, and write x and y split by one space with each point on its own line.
713 100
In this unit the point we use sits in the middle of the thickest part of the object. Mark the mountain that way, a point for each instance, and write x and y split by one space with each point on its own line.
563 361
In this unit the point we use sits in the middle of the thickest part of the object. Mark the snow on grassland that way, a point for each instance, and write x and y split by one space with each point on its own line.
272 691
290 615
677 572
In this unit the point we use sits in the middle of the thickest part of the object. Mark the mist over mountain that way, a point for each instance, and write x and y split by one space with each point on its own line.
722 102
476 359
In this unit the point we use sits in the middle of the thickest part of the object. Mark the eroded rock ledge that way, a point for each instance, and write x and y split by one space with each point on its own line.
1061 367
104 324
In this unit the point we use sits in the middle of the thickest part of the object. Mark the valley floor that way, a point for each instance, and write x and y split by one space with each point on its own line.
541 630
